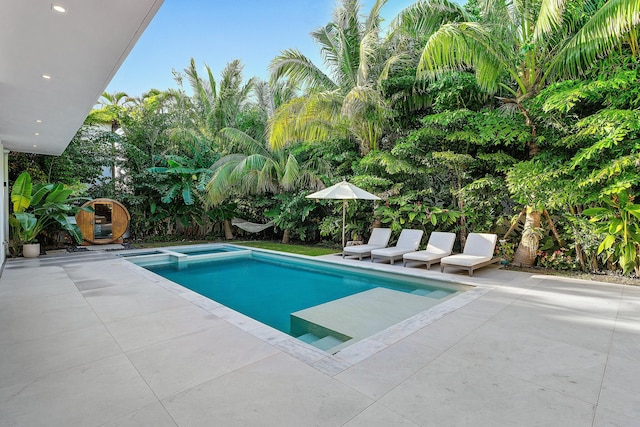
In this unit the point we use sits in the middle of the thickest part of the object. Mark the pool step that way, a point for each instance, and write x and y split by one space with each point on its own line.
439 294
323 343
357 316
308 338
436 294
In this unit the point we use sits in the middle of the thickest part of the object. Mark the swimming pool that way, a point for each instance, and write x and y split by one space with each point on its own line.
321 303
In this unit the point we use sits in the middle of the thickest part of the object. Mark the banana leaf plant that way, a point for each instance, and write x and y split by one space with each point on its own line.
36 206
619 221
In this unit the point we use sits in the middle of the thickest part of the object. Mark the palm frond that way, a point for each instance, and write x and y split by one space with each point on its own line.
293 65
291 173
368 50
423 18
600 35
550 18
458 46
242 142
310 118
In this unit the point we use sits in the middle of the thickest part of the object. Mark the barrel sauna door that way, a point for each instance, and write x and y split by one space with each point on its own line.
107 223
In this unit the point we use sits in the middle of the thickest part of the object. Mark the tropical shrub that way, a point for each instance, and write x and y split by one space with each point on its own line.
619 220
557 260
37 206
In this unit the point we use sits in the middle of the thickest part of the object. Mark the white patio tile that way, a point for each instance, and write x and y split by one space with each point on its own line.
576 371
621 387
153 415
187 361
25 361
159 326
455 392
25 319
85 395
594 299
125 301
388 368
607 418
39 283
558 323
377 415
276 391
626 339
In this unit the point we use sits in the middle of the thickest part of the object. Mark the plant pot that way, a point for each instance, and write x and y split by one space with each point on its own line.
31 250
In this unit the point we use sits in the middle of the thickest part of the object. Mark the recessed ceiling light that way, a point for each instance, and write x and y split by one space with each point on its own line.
38 121
37 133
35 145
58 8
46 76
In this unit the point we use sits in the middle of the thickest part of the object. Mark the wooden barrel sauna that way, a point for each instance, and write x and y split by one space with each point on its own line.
107 223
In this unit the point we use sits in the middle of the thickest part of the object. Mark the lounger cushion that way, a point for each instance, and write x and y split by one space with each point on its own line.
389 252
426 255
480 244
408 241
360 249
379 239
464 260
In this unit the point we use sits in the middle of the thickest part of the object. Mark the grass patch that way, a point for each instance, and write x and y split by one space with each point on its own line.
159 244
294 249
273 246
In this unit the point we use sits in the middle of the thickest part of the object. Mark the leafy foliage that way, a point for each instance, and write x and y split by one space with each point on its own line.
38 206
619 219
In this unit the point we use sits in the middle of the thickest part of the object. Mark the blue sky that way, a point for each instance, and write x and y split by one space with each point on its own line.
217 32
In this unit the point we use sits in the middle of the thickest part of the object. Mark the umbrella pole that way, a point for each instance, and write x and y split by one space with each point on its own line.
344 216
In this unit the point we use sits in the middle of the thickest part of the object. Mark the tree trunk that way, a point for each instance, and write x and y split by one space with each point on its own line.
463 223
528 248
286 236
228 231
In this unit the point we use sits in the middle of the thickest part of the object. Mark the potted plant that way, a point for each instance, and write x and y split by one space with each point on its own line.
36 206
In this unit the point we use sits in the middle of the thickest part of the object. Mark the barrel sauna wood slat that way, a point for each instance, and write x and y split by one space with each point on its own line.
106 224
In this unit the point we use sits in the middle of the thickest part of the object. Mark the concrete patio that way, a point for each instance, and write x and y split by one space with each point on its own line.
87 340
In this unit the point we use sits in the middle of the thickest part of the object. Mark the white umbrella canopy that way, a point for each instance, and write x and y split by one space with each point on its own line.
343 191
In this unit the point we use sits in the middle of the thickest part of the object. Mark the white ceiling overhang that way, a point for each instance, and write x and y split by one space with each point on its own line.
80 50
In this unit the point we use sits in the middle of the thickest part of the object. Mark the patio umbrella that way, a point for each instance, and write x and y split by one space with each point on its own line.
343 191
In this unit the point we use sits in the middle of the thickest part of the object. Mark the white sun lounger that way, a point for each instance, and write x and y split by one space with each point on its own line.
440 245
408 241
478 252
379 239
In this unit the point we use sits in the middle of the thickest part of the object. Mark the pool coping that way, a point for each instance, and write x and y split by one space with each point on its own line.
346 357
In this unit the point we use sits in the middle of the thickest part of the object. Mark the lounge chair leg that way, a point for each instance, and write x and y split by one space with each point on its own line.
441 268
391 261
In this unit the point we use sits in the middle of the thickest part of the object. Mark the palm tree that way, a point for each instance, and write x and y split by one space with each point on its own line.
269 96
256 168
517 47
214 105
345 102
111 106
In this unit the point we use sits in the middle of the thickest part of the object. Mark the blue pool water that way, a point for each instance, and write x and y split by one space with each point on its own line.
268 288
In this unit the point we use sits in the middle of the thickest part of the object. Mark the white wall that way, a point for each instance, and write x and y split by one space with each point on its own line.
4 203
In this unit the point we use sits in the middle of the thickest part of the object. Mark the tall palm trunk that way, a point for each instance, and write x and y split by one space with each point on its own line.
528 248
228 231
286 236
